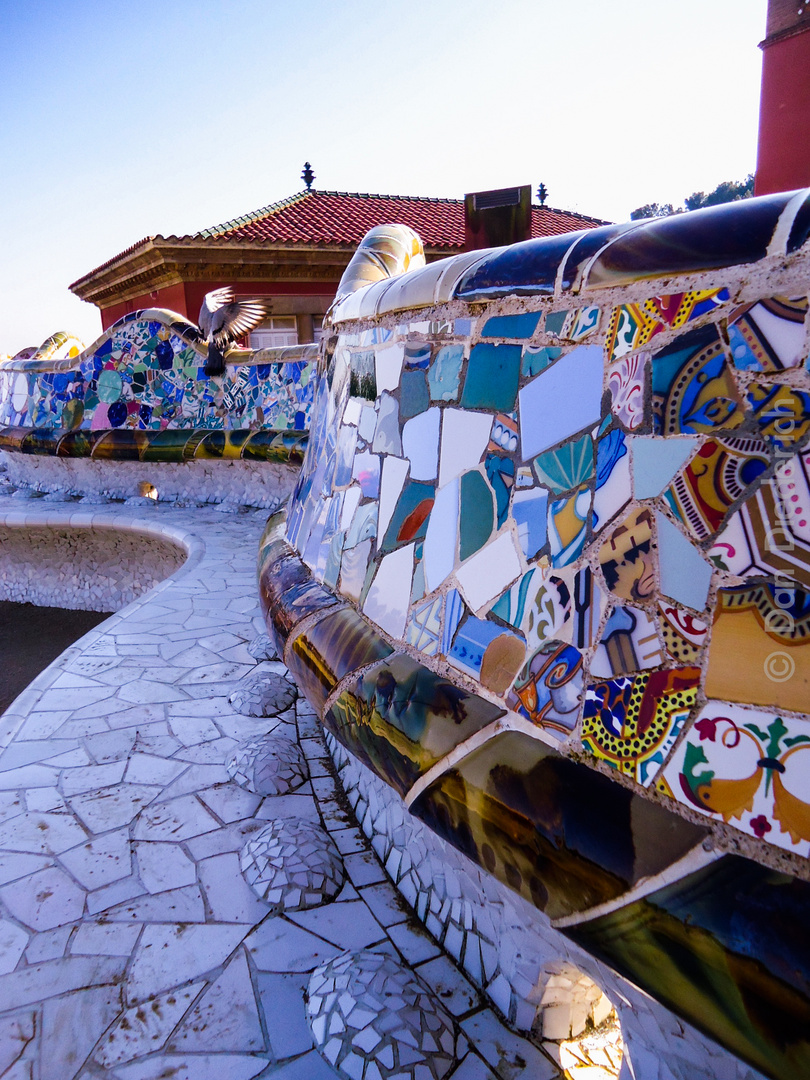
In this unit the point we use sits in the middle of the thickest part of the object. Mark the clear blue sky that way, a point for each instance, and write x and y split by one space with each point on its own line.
124 118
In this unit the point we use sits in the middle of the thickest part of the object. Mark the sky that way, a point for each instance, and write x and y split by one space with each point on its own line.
120 119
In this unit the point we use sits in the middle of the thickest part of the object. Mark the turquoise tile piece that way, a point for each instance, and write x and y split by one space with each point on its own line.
656 461
413 393
562 400
568 467
684 573
410 518
536 360
444 373
511 326
555 321
492 377
501 475
476 518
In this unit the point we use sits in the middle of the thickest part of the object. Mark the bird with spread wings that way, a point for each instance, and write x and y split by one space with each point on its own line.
223 320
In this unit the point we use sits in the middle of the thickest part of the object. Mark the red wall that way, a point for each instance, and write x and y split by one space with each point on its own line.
783 155
186 298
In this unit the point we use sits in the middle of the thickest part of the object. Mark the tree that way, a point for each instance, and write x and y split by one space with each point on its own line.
653 210
727 191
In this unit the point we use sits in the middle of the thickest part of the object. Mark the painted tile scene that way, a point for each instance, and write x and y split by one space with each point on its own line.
405 609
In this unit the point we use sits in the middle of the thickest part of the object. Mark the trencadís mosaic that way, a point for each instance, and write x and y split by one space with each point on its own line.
551 540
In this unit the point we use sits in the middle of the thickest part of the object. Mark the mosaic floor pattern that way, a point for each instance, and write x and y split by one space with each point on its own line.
131 946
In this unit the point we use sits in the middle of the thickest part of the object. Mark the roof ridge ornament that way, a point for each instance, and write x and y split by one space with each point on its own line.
308 175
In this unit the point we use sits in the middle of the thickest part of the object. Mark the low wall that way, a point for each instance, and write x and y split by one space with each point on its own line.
82 568
546 573
248 483
111 416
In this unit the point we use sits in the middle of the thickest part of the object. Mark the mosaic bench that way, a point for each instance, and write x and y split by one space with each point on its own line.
101 418
546 577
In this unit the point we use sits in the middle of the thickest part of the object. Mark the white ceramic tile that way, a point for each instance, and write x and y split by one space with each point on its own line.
464 439
420 444
390 593
489 572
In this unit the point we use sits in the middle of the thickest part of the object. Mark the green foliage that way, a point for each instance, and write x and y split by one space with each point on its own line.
652 210
727 191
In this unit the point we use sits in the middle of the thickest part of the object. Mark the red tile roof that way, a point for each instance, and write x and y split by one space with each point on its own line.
343 218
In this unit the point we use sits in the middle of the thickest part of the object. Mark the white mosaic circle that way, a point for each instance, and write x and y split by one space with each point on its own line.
372 1018
268 765
292 865
262 648
267 694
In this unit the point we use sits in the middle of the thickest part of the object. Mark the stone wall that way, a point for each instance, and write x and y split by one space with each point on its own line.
82 568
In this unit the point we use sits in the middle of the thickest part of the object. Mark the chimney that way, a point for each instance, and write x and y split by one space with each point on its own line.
783 152
493 218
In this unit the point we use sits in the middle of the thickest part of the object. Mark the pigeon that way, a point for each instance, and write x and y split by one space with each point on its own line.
223 320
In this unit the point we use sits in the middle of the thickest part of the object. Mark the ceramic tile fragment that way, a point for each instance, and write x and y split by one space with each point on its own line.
748 768
561 400
441 536
420 444
685 574
656 461
464 439
390 593
487 573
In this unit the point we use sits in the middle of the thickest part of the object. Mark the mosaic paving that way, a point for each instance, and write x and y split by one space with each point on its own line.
131 947
571 502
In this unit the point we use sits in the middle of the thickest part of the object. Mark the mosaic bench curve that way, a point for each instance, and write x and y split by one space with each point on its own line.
547 573
140 393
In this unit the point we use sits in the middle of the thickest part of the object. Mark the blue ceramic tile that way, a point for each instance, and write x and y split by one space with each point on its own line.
529 509
526 268
656 461
561 400
684 573
444 373
511 326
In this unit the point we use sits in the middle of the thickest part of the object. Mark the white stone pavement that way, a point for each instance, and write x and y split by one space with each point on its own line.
131 946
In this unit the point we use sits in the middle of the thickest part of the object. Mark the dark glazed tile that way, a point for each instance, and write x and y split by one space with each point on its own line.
563 836
168 445
280 446
331 649
707 239
121 444
288 592
400 718
78 444
584 250
800 232
225 445
526 268
728 949
41 441
11 437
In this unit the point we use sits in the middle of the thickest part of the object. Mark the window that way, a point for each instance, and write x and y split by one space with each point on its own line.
275 332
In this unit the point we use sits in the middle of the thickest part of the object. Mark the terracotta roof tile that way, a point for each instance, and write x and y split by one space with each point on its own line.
343 218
